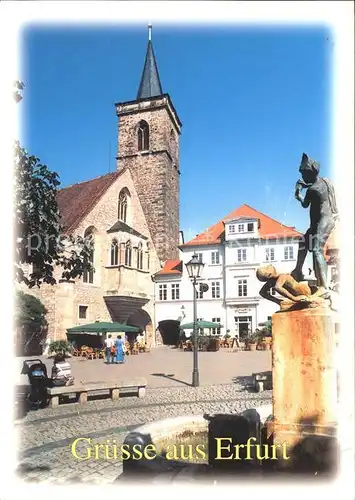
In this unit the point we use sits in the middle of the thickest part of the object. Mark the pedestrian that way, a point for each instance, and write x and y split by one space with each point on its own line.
120 350
141 341
61 371
109 348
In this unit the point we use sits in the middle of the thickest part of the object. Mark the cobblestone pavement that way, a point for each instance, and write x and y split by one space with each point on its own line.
46 436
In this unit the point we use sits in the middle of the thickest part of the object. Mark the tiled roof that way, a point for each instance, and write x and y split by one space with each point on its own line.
268 227
171 267
76 201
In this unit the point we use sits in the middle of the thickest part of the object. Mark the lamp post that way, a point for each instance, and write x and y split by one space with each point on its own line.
194 269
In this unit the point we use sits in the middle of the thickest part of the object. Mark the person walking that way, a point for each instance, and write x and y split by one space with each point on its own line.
109 347
120 350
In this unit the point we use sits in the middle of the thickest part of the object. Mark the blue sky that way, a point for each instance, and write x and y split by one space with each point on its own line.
251 101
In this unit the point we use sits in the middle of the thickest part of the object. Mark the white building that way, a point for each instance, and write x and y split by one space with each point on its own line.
231 250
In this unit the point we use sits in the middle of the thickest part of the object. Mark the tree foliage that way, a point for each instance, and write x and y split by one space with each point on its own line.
40 240
30 313
30 321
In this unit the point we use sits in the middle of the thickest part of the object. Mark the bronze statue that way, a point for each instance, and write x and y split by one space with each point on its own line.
295 293
320 196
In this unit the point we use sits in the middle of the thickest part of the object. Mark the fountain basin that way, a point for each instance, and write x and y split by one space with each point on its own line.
181 446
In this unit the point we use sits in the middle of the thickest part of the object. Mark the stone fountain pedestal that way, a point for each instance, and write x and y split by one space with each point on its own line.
304 387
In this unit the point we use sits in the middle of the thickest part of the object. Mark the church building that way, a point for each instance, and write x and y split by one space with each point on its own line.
132 215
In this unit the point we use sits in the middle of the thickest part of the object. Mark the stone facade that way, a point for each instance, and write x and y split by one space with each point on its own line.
155 169
113 281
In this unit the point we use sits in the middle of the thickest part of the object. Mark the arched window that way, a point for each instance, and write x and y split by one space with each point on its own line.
143 136
140 256
114 253
88 276
128 254
122 206
148 256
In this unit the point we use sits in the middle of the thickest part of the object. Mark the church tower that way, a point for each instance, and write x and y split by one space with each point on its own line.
148 145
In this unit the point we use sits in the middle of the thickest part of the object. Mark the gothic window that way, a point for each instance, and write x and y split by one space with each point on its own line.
122 206
140 256
114 253
148 256
143 136
88 276
128 254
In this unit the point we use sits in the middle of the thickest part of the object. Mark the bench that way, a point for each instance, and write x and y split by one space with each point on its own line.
81 390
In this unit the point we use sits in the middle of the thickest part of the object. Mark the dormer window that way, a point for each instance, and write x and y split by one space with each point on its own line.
240 228
250 227
232 228
143 136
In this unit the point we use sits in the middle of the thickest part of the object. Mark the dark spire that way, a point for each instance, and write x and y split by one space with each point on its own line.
150 85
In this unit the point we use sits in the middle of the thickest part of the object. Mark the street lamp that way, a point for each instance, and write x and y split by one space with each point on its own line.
194 269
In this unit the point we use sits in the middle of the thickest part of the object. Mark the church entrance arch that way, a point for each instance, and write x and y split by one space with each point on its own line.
170 331
141 319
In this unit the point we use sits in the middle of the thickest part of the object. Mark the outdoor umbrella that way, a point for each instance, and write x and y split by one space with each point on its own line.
102 327
200 324
265 323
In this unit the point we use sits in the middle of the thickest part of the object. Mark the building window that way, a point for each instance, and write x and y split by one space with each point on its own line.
143 136
215 258
216 331
83 312
114 253
88 276
232 228
240 228
148 256
128 254
242 288
250 227
216 291
199 256
199 330
122 206
175 291
242 254
163 293
199 291
269 254
288 253
140 256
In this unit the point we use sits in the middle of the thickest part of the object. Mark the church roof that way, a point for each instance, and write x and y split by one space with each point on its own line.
76 201
150 85
268 228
